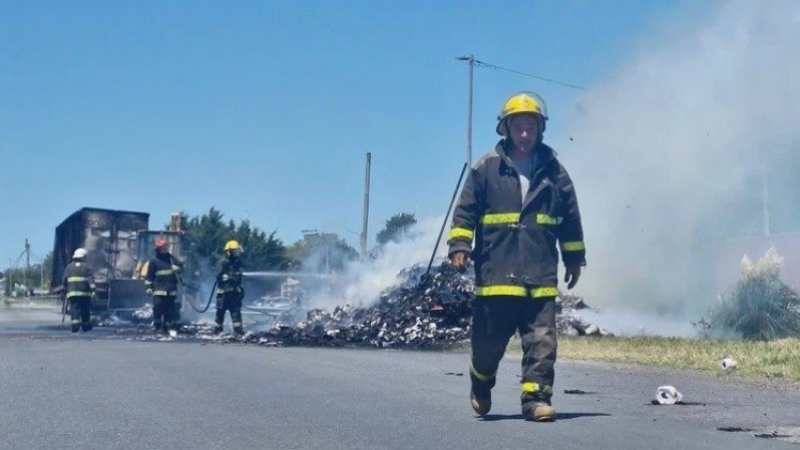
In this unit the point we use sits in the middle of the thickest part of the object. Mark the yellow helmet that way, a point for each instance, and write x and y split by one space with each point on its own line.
521 103
233 246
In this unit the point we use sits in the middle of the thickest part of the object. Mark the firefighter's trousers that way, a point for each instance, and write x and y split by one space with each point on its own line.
164 312
80 313
229 302
494 322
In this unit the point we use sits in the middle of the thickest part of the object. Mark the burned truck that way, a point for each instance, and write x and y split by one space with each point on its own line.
118 245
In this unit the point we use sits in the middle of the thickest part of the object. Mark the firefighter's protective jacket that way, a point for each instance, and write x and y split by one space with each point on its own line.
161 276
229 279
78 280
515 249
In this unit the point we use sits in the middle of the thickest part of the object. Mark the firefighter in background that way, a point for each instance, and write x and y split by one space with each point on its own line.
230 291
161 283
78 279
519 206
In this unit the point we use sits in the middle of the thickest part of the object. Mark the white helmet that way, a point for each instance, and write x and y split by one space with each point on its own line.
79 253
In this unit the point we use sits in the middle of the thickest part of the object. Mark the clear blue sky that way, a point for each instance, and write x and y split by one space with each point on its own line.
265 109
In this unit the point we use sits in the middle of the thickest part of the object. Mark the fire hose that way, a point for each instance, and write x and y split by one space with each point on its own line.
186 285
210 297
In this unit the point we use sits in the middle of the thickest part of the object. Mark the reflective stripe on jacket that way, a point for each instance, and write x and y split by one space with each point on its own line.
78 281
229 278
161 278
517 242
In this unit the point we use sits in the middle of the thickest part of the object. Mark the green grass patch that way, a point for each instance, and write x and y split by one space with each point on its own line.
759 360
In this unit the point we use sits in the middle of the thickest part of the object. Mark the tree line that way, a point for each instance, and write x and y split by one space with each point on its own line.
319 252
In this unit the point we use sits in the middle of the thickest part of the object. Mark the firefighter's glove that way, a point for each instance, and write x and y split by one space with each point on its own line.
149 292
176 268
459 261
571 276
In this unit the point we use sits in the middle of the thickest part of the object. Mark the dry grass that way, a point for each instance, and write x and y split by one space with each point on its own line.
759 306
759 360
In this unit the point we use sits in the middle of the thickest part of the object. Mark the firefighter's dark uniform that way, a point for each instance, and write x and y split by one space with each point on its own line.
162 279
230 293
79 288
516 261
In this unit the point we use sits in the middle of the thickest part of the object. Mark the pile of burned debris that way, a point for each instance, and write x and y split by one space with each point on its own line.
568 320
421 311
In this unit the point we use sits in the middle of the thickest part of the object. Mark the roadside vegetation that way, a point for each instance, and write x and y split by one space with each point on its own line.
756 322
778 359
759 306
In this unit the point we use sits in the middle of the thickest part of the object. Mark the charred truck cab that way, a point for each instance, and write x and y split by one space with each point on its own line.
118 245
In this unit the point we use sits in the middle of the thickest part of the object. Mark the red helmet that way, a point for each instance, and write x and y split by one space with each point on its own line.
161 243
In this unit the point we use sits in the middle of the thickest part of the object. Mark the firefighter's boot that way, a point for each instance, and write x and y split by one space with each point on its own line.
76 324
481 400
539 411
236 320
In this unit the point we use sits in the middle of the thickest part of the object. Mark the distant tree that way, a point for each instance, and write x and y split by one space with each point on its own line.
207 234
396 228
261 251
47 267
27 278
321 253
35 277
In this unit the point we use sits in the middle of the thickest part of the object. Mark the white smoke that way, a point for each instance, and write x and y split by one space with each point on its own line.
628 322
667 145
668 141
361 282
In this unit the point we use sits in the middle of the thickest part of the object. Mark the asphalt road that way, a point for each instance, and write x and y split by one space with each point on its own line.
104 391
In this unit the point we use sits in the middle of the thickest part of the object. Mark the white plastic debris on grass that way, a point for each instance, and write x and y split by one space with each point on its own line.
728 363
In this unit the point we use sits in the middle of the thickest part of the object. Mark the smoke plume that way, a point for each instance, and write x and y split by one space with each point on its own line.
362 282
668 147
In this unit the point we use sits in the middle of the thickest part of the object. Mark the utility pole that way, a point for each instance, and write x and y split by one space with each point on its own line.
365 220
471 60
27 266
765 198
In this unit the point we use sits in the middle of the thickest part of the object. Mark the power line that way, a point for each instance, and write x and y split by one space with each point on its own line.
549 80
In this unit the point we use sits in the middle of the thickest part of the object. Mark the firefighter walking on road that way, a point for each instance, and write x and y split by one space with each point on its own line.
79 282
230 291
161 283
519 206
